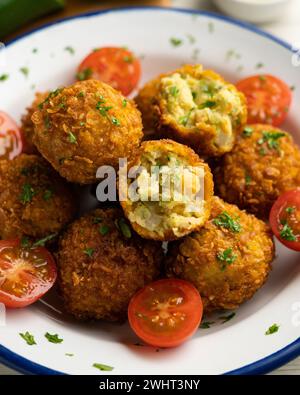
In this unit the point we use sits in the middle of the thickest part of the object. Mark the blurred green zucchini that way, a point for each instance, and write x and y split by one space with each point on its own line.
15 13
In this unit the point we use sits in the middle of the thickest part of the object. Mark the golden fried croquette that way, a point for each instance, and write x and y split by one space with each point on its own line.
195 107
227 260
102 263
27 127
84 126
175 203
264 163
34 200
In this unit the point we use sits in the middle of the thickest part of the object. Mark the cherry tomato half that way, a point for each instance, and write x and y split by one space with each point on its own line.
26 273
285 219
268 99
11 144
165 313
117 67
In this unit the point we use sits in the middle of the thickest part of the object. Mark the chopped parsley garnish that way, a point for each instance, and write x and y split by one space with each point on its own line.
247 179
101 108
89 252
70 49
115 121
224 220
292 88
271 138
103 230
174 91
69 354
84 74
25 243
102 367
42 242
206 324
72 138
207 104
124 103
211 27
28 337
24 71
4 77
191 38
287 233
247 132
27 193
47 122
50 96
34 50
128 59
226 257
227 318
124 228
176 42
81 94
273 329
194 94
53 338
262 78
259 65
262 152
97 220
290 210
185 118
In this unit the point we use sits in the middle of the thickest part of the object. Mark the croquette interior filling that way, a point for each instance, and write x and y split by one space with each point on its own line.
169 194
192 102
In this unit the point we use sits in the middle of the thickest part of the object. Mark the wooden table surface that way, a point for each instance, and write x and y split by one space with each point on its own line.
285 29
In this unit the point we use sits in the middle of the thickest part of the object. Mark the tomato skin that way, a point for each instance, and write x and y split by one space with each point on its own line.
287 199
11 143
268 99
166 312
34 287
117 67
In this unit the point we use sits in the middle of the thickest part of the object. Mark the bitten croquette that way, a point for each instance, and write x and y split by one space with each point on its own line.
174 191
84 126
264 163
34 200
195 107
102 262
227 260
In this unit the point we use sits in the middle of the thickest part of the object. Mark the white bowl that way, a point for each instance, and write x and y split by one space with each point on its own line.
232 49
255 11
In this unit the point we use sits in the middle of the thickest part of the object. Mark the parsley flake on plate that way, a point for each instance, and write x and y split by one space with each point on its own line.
28 337
227 318
72 138
53 338
103 230
206 324
176 42
70 49
4 77
84 74
24 71
102 367
273 329
271 138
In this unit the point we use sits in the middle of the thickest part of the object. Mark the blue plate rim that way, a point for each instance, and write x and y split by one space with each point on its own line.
262 366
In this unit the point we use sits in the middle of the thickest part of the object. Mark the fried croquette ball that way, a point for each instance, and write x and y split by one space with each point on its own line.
102 263
85 126
227 260
195 107
173 191
264 163
27 127
34 200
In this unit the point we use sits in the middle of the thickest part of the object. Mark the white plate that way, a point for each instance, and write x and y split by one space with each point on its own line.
231 48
